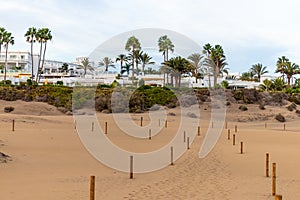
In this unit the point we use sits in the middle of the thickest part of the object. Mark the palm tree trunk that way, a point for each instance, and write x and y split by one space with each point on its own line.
31 58
132 78
289 80
5 67
39 65
42 66
143 69
209 81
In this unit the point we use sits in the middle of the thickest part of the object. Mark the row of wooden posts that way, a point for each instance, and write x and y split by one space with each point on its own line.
187 140
277 196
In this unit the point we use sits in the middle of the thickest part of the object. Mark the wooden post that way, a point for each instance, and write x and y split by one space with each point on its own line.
265 124
226 125
274 179
92 188
233 141
172 155
228 134
13 125
235 128
284 127
267 164
131 167
184 136
278 197
242 147
142 121
188 142
166 124
199 131
92 126
212 124
105 127
75 124
149 134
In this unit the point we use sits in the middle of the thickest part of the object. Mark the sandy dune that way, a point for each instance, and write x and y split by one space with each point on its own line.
50 162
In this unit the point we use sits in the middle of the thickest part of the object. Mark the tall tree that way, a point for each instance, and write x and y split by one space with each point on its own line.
216 59
281 64
2 33
126 68
86 65
195 60
258 69
122 58
106 62
132 44
43 35
165 45
146 60
7 40
289 70
137 57
181 66
208 63
30 37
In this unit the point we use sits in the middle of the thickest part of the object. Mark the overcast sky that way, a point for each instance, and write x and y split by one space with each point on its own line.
256 31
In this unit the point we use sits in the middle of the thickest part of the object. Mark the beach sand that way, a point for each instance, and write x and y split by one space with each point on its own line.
50 162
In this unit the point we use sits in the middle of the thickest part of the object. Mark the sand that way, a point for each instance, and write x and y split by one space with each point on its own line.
50 162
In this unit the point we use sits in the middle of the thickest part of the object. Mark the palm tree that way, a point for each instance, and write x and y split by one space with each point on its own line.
2 32
195 60
137 57
267 85
122 58
126 68
278 84
180 66
281 64
7 39
132 44
208 63
258 69
165 45
30 37
107 62
86 65
289 70
42 36
146 60
218 60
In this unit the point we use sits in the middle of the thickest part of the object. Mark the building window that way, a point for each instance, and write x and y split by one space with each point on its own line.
22 57
12 56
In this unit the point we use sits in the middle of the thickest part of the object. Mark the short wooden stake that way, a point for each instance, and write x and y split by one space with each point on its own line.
267 164
142 121
278 197
105 128
235 129
92 126
212 124
228 134
284 127
149 134
274 179
92 188
188 143
131 167
226 125
233 141
199 131
265 124
166 124
242 147
75 125
184 136
13 125
172 163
